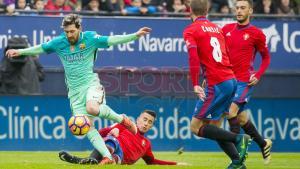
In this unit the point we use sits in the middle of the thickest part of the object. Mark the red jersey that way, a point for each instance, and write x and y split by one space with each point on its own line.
134 147
243 42
206 47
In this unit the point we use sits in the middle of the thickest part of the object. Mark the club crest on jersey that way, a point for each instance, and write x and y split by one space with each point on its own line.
82 46
228 34
143 143
246 36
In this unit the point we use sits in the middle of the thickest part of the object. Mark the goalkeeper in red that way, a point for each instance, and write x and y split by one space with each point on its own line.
243 41
127 148
77 51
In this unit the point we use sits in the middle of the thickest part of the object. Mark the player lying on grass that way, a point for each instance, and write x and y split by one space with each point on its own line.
125 147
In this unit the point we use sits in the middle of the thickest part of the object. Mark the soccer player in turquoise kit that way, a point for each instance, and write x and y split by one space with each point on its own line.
77 51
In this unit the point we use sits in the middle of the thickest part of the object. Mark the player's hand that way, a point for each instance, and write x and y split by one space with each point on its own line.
204 84
253 80
143 31
12 53
183 163
200 92
114 132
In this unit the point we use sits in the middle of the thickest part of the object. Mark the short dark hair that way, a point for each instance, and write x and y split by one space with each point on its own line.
151 112
72 19
199 7
250 2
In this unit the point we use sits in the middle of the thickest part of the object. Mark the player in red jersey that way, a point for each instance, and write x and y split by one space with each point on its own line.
125 147
243 40
206 49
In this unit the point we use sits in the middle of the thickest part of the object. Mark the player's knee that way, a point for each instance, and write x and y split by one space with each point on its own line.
243 120
232 111
231 115
194 128
92 110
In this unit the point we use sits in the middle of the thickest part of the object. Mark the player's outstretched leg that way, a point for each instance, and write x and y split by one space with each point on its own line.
108 113
65 156
242 144
96 155
91 161
98 143
266 151
96 106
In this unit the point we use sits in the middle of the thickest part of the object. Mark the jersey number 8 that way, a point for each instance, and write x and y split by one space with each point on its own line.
217 53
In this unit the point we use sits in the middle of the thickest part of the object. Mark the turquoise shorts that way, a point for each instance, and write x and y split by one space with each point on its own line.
95 91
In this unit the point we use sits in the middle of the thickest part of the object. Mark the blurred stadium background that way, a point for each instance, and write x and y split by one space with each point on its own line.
150 73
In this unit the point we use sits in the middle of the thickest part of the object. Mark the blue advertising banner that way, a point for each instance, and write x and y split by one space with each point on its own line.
40 123
164 47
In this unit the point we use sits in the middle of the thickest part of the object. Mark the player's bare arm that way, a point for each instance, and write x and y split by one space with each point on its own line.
32 51
183 164
143 31
119 39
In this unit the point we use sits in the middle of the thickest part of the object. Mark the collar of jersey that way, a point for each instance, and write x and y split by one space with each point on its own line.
201 18
239 27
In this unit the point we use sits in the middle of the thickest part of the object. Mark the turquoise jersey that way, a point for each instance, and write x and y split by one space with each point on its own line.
78 62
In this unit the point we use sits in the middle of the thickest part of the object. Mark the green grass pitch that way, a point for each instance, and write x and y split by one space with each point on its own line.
197 160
